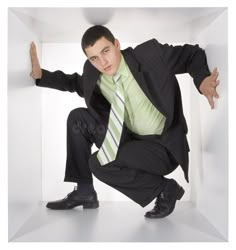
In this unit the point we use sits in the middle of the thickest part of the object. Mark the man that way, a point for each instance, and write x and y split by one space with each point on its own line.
134 116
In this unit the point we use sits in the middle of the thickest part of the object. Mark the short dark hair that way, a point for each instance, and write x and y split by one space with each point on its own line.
93 34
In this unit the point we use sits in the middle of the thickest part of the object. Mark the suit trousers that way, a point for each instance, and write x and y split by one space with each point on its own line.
139 168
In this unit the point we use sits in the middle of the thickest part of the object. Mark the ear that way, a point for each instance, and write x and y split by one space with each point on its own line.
117 43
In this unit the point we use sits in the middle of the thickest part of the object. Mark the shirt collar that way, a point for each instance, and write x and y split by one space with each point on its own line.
122 70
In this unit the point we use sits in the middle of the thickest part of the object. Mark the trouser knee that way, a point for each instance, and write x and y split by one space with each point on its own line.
76 120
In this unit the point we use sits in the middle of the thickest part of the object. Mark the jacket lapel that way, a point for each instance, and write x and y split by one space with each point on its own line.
139 75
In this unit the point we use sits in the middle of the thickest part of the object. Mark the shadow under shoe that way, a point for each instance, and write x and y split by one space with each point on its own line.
74 199
166 200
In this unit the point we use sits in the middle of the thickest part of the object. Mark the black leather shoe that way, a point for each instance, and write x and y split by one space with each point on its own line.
75 199
165 202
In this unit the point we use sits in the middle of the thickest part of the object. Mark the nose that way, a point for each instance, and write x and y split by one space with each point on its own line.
103 61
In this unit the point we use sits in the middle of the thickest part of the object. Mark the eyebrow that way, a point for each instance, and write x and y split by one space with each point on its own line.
107 47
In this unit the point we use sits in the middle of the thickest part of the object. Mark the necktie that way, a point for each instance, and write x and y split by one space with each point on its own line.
109 148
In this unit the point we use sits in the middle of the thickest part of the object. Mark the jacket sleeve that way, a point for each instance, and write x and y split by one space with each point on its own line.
61 81
185 59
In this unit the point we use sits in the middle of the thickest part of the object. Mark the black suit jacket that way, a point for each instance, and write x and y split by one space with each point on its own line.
154 67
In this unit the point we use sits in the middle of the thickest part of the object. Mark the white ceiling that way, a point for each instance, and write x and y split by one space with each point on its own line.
127 24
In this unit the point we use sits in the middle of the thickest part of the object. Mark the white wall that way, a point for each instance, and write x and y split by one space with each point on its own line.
24 126
56 106
209 166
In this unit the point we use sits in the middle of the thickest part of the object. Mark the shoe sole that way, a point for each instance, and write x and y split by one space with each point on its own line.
88 205
91 205
180 194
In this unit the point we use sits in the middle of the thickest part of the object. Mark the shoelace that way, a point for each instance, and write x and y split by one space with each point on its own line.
161 196
75 189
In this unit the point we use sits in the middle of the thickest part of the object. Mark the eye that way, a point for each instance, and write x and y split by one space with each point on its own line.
106 51
93 59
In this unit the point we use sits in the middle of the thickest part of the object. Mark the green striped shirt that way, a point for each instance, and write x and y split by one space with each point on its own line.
141 116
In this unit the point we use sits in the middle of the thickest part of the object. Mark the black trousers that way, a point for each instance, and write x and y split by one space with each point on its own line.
140 166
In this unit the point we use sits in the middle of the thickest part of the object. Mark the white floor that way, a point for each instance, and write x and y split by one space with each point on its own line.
115 222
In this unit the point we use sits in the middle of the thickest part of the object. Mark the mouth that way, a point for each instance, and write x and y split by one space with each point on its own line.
107 68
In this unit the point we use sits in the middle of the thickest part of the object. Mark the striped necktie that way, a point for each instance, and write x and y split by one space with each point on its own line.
109 148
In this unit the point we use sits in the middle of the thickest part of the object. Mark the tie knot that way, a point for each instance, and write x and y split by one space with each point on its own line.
116 78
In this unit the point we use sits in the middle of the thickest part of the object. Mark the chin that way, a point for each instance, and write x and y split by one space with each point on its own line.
109 73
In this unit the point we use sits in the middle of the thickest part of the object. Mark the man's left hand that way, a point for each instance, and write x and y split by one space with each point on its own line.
208 87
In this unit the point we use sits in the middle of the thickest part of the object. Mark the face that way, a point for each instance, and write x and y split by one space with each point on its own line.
105 56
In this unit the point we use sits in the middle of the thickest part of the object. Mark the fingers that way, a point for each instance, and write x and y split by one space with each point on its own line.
36 72
209 85
216 95
33 51
217 82
210 97
33 55
211 102
214 75
215 72
212 94
32 46
214 82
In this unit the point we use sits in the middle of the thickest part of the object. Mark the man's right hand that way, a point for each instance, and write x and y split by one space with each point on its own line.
36 72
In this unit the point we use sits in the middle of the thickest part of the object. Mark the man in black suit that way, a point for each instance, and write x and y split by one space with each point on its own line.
134 116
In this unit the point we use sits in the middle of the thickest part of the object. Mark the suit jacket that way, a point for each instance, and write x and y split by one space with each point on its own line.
154 67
